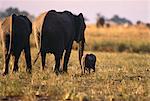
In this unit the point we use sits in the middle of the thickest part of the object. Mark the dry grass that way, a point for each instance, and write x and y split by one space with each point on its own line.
118 76
118 39
133 39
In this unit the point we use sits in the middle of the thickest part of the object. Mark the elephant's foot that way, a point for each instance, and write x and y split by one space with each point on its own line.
65 70
29 71
57 72
15 69
82 72
44 67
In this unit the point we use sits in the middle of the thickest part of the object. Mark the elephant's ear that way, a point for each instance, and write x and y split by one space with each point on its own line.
80 28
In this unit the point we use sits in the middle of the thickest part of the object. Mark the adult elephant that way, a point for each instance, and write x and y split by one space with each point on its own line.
55 32
15 38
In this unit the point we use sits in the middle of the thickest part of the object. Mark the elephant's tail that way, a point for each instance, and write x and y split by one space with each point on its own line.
37 56
87 45
39 47
11 37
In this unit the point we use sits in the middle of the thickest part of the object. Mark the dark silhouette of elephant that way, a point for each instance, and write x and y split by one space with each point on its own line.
100 22
15 38
88 62
55 32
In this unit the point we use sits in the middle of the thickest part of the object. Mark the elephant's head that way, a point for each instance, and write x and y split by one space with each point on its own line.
79 37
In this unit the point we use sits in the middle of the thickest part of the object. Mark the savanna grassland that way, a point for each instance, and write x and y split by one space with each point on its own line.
134 38
122 70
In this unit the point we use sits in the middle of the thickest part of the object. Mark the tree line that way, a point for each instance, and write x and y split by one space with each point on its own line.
9 11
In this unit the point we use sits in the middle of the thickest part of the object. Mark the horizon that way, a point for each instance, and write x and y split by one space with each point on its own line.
133 10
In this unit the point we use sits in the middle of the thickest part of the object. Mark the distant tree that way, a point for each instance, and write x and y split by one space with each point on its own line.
24 13
148 25
139 22
9 11
2 15
119 20
100 21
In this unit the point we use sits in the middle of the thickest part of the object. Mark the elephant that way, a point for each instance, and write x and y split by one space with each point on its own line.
15 37
88 62
55 33
100 21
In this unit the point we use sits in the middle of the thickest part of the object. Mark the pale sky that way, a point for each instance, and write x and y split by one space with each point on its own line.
132 9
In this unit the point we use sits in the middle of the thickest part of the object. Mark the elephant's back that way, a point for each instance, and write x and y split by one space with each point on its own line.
20 26
58 24
51 22
53 33
27 23
38 22
5 25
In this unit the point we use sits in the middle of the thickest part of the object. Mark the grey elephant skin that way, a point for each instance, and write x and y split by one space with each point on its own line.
55 32
15 39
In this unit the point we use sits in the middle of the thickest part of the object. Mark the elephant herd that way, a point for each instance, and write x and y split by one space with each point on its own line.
54 33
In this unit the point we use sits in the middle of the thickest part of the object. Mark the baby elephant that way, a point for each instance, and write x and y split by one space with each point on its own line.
88 62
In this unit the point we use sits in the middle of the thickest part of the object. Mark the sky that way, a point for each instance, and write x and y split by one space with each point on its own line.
131 9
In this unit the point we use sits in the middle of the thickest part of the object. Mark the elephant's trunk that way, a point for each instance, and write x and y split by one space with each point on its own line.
81 49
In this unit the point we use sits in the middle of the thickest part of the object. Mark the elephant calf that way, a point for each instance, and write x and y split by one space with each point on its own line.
88 62
15 38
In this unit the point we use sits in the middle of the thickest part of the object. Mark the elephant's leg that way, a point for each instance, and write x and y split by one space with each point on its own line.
93 69
5 44
66 59
43 57
6 64
16 58
57 62
89 69
61 64
37 39
28 58
84 70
